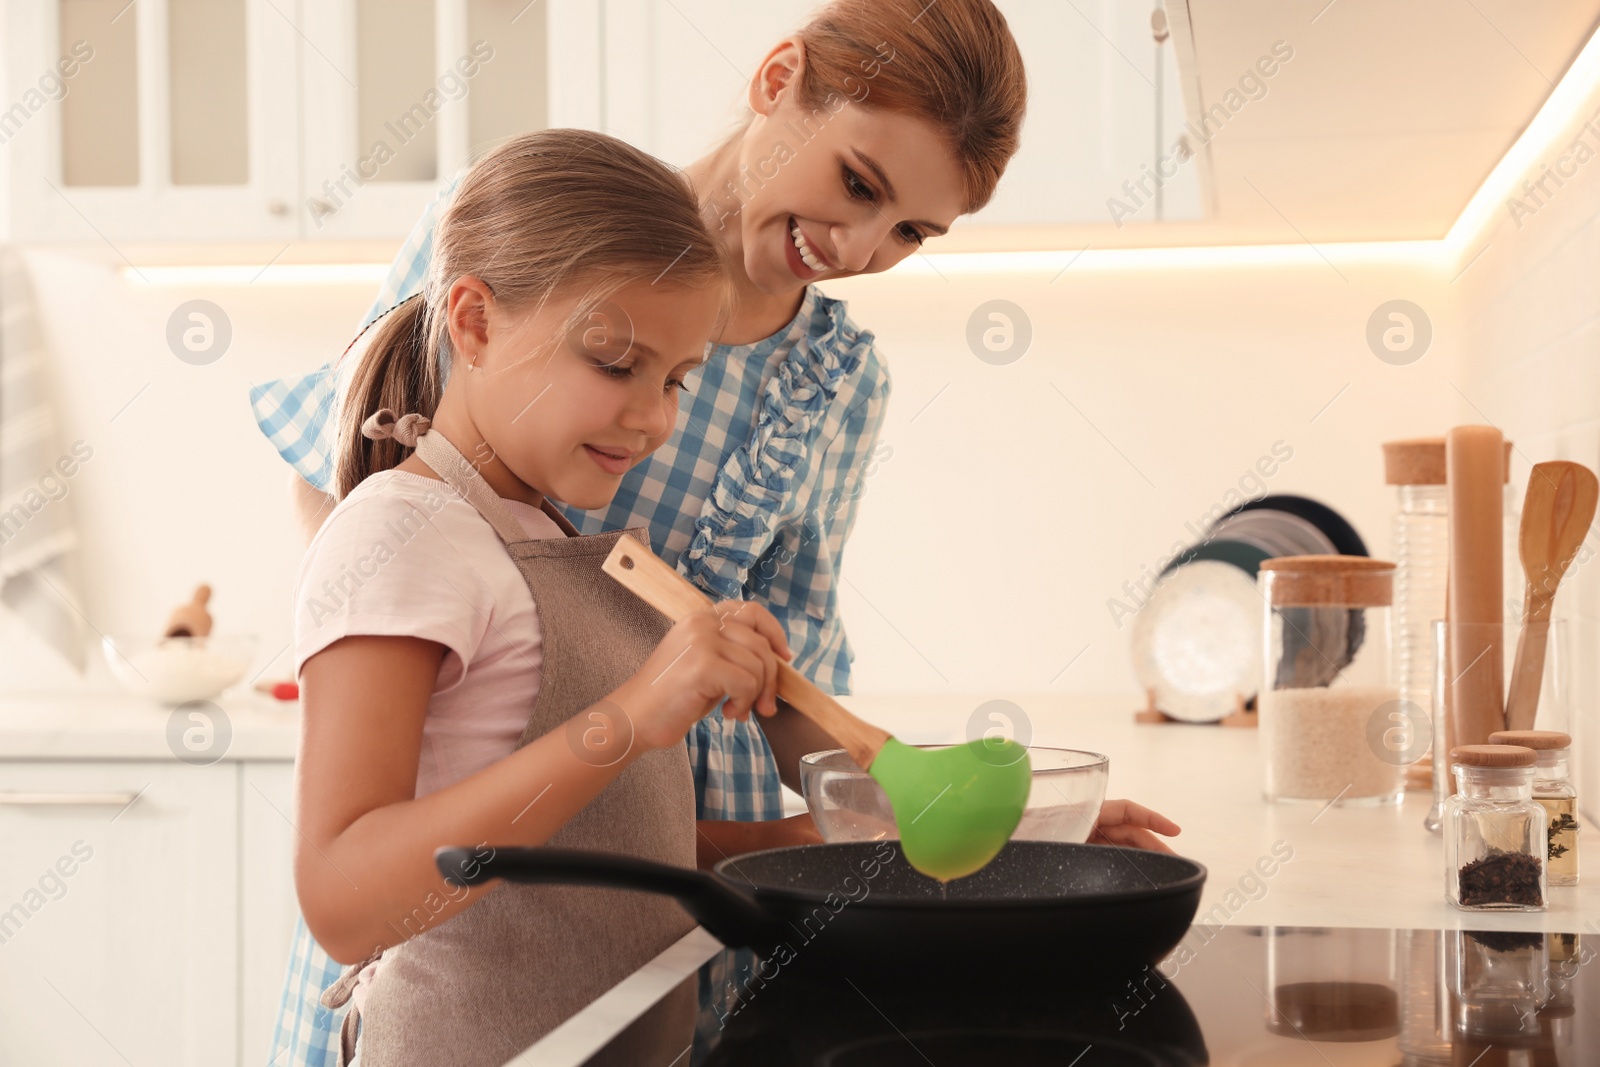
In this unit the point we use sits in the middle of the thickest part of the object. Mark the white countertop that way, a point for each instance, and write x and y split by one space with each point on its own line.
1351 866
118 726
1374 867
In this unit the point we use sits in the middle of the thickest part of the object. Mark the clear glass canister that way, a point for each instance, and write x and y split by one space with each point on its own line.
1494 831
1421 533
1332 984
1328 700
1553 789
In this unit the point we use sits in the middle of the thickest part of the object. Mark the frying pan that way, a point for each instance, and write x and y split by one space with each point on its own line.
1040 908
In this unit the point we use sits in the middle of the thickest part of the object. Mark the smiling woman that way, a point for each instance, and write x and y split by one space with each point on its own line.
871 130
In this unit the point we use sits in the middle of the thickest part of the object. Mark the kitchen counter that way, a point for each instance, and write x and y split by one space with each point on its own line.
1346 867
119 726
1350 867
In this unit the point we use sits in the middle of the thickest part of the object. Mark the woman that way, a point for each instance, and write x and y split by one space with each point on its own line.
871 130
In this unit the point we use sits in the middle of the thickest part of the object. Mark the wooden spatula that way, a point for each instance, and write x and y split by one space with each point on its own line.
1555 519
955 807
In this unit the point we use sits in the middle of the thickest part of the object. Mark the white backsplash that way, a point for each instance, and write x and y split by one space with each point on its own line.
1020 502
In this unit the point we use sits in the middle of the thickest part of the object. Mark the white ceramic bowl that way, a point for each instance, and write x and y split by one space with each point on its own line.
174 670
848 804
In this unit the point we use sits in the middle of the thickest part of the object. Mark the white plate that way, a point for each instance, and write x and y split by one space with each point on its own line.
1197 643
1276 532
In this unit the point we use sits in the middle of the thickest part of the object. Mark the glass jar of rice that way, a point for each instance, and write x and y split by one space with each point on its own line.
1333 727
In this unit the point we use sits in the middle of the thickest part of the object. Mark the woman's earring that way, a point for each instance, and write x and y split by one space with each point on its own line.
472 366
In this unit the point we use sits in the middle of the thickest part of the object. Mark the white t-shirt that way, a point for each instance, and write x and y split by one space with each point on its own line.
404 554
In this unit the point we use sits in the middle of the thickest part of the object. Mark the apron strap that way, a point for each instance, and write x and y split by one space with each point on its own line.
336 996
415 431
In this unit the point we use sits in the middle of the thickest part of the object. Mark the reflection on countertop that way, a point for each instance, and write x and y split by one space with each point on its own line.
1245 997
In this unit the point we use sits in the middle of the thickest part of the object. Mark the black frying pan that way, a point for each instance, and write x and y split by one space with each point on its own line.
1040 908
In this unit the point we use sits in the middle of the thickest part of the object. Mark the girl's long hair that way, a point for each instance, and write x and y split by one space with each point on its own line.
558 211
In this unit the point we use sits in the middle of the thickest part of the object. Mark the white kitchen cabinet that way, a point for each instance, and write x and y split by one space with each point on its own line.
119 929
267 905
339 119
262 120
1105 108
171 120
676 71
400 94
1105 103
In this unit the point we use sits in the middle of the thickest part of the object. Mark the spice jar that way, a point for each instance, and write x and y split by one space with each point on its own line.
1553 789
1332 725
1494 831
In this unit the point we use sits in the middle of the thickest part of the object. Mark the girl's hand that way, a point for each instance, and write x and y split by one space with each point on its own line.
731 651
1122 822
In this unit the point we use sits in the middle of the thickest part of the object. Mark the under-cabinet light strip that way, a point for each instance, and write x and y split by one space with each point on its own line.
1540 148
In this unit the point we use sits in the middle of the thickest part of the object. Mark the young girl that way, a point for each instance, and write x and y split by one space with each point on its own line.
870 131
469 674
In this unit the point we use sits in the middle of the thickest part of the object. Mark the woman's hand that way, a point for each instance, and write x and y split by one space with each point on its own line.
1122 822
731 651
718 840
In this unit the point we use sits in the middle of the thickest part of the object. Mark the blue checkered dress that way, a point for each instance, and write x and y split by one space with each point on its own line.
753 497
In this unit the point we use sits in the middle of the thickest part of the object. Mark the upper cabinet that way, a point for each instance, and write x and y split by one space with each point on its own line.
1106 103
284 120
401 94
157 120
196 120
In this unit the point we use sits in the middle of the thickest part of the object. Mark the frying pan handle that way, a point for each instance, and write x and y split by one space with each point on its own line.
731 915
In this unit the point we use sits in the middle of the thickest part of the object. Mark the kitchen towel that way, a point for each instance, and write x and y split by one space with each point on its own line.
38 538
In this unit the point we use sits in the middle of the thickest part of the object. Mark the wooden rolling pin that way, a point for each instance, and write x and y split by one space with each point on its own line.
191 619
1475 475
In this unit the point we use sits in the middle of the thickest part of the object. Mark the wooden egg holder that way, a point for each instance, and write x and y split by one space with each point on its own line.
1242 715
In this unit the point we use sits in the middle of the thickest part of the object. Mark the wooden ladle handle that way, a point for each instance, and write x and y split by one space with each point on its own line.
648 577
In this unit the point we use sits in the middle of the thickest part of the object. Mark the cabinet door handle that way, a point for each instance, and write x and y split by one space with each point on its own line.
67 799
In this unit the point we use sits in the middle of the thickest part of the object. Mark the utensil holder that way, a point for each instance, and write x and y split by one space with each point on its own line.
1555 693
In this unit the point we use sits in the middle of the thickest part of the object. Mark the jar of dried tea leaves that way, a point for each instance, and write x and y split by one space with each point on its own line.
1494 831
1553 789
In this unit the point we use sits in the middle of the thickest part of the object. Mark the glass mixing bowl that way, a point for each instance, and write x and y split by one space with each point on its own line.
849 805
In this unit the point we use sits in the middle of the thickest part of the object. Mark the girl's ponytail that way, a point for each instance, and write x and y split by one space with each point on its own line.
399 369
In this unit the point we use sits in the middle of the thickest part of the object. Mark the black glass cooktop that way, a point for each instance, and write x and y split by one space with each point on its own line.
1234 997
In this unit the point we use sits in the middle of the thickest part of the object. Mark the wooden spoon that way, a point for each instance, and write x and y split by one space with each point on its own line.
955 807
1555 519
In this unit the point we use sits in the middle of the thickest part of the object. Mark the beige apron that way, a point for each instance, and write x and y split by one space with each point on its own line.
492 979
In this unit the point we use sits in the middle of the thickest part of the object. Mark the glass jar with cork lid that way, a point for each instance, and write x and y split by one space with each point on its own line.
1553 789
1494 831
1332 726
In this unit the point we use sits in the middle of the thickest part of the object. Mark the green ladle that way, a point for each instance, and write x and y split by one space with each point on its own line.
955 807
